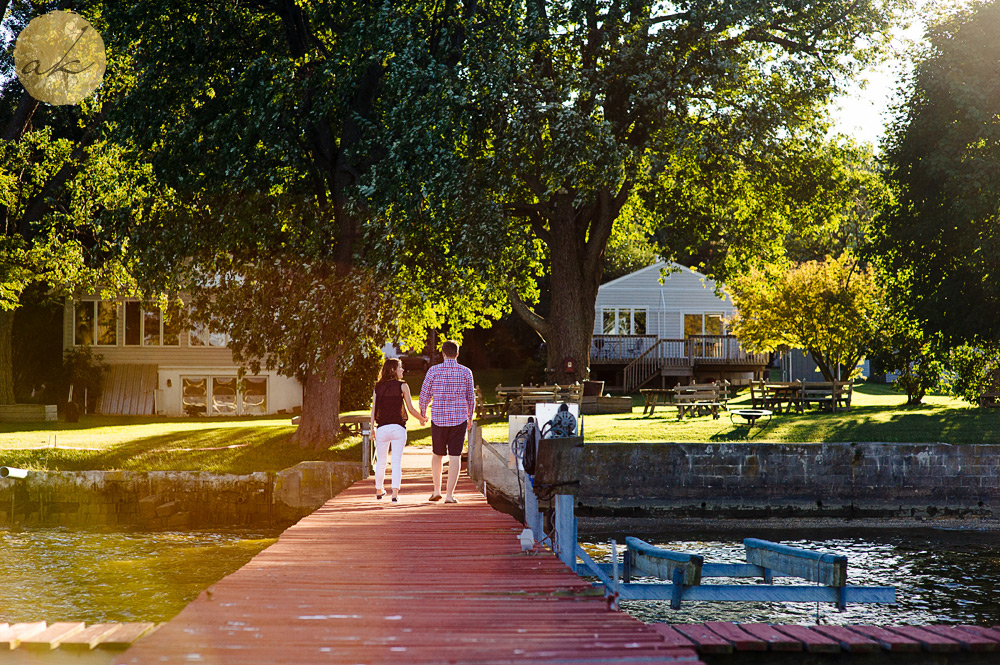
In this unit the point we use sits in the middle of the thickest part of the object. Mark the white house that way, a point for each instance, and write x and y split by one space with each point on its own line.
672 331
155 367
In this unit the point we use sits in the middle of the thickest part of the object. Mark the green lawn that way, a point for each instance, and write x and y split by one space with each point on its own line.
243 445
219 445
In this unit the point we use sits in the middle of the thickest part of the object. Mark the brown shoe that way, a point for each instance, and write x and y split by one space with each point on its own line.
435 497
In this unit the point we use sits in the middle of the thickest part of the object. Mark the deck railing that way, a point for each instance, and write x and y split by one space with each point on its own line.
701 348
645 355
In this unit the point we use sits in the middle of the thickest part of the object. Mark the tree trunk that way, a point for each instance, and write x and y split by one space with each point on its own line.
319 425
6 356
574 282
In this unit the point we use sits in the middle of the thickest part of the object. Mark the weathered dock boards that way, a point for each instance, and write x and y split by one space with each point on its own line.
914 644
366 581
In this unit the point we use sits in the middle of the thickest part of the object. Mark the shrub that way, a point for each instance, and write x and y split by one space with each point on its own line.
85 372
974 371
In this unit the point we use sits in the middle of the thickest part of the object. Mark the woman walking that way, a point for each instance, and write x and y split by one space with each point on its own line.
390 402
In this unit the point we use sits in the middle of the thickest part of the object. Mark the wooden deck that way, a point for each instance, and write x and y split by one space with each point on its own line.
366 581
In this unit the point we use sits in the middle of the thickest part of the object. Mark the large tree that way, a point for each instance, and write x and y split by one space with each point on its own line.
573 111
268 117
67 194
943 153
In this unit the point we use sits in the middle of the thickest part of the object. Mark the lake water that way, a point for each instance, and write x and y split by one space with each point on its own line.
941 577
71 575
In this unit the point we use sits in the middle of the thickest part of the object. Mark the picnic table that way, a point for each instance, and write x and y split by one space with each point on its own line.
701 399
788 395
522 399
355 424
655 397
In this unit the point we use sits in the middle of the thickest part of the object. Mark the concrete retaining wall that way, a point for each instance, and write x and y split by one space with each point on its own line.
771 480
172 499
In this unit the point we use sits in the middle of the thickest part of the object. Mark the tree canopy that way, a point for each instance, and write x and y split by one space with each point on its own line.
943 156
683 114
831 308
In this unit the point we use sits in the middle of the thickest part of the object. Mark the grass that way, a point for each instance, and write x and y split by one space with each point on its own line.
244 445
218 445
877 414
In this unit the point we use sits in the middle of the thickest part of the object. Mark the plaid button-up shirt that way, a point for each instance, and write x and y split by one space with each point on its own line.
449 385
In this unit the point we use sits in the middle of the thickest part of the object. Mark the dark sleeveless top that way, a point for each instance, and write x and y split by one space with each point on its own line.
389 404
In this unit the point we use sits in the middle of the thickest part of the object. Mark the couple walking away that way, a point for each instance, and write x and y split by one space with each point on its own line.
450 390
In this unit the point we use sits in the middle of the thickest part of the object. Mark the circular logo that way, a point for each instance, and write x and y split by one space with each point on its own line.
59 58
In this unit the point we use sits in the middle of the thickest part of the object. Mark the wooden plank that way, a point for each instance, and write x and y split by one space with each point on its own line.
970 641
89 637
14 633
889 640
814 642
929 640
706 640
125 634
849 640
671 636
51 637
739 638
821 567
988 633
776 641
649 560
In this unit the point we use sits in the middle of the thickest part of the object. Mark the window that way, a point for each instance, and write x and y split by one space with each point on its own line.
624 321
223 395
714 324
199 335
84 323
151 326
96 322
133 323
107 323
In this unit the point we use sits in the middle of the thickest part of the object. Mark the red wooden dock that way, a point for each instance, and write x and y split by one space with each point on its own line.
366 581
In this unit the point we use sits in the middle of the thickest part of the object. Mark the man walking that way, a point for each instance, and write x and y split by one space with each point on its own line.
449 387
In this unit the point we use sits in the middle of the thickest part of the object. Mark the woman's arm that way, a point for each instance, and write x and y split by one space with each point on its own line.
408 401
371 424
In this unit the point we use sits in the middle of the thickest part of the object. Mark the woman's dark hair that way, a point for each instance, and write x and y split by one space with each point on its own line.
389 368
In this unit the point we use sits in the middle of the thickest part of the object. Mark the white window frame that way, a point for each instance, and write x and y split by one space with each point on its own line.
95 320
627 314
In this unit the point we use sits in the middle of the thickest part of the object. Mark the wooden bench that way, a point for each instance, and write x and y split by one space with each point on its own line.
701 399
827 395
989 400
522 399
776 395
655 397
486 409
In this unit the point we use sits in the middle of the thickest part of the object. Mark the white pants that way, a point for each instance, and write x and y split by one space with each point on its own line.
384 435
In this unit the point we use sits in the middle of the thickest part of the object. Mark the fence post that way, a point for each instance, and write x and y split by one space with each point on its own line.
366 451
565 528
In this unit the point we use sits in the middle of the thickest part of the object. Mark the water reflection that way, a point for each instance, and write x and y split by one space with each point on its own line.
944 577
69 575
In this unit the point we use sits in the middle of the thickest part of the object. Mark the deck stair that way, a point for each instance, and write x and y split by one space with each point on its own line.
129 390
666 357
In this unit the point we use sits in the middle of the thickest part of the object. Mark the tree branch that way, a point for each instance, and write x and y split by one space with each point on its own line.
538 324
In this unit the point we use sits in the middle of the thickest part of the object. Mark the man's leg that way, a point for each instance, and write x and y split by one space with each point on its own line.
436 462
456 441
454 469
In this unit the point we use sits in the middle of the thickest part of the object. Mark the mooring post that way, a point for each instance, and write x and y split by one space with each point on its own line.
565 527
366 451
533 519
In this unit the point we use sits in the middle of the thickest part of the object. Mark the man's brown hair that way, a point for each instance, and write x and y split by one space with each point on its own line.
450 349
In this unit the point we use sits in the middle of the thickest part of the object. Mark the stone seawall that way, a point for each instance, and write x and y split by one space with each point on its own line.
172 499
772 480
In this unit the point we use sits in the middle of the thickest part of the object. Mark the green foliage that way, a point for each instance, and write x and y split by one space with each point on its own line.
84 370
974 371
359 381
831 308
943 155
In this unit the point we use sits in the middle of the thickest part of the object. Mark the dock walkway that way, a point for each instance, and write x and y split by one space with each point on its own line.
366 581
